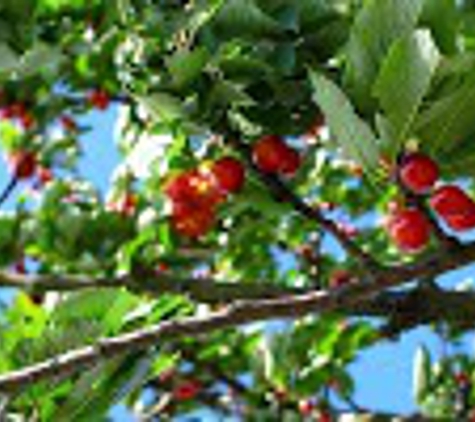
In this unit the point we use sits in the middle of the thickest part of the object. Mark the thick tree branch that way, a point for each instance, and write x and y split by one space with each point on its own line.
199 289
410 307
239 313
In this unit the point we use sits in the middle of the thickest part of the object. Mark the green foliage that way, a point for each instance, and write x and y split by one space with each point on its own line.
353 134
404 80
376 27
349 84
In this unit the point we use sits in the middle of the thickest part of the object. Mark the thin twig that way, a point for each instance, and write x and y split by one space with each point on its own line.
8 189
284 193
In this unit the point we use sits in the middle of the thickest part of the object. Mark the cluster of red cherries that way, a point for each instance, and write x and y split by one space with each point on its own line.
20 113
409 226
195 193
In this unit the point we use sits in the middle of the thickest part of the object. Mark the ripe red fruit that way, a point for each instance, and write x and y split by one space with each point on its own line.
167 375
272 155
290 162
68 123
306 407
27 121
44 175
324 416
187 390
450 200
7 112
409 229
124 205
22 163
190 221
455 207
20 266
18 110
229 174
418 172
339 278
194 187
99 99
281 395
462 378
461 222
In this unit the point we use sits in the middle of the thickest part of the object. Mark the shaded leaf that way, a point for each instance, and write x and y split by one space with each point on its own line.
378 24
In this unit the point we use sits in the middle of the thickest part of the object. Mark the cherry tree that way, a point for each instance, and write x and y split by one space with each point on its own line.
306 162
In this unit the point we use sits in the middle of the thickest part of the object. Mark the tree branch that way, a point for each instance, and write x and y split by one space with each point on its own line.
283 192
239 313
8 189
199 289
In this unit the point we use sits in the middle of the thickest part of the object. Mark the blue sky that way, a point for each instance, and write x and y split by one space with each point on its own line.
383 373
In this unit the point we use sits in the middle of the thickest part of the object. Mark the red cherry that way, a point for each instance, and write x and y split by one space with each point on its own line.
27 121
409 229
229 174
191 221
280 394
44 175
167 375
20 266
290 162
68 123
23 163
340 278
462 378
194 187
99 99
18 110
325 416
127 204
306 407
179 187
7 113
124 205
187 390
450 200
272 155
418 172
461 222
267 153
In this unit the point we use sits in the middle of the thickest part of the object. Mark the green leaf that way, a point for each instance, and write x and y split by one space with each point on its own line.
49 57
163 107
449 120
9 60
404 79
186 66
442 18
55 5
376 27
421 373
353 135
244 19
